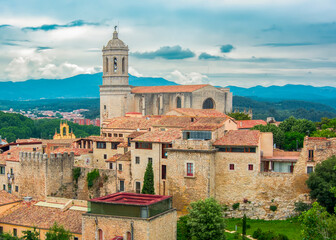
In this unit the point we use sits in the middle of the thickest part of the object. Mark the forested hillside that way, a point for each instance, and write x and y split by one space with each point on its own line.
13 126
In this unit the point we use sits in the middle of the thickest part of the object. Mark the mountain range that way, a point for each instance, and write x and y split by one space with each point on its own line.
87 86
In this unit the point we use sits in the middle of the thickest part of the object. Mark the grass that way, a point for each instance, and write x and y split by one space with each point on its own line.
291 227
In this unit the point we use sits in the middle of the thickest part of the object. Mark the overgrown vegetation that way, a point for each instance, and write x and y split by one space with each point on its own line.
76 172
239 116
321 181
92 177
268 235
235 206
273 208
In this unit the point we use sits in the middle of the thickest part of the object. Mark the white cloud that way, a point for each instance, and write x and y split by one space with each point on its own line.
134 72
188 78
40 66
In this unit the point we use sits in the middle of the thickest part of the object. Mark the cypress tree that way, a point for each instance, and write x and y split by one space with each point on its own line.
244 225
148 185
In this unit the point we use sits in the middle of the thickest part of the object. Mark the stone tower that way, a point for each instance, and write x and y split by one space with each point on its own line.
115 93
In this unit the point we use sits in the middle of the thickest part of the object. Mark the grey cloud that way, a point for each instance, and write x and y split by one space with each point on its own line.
226 48
166 52
207 56
49 27
285 44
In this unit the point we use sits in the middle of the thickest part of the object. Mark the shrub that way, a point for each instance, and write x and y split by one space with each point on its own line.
256 234
282 237
76 172
273 208
235 206
301 207
92 176
183 231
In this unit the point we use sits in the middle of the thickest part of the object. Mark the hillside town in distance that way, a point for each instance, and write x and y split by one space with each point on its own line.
166 156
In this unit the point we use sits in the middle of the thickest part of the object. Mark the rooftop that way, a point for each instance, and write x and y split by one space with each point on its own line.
207 123
27 214
13 154
283 156
6 198
131 199
120 157
134 123
159 136
173 121
104 139
197 112
239 138
168 89
244 124
76 151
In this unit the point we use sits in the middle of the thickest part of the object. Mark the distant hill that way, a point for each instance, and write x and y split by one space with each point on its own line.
79 86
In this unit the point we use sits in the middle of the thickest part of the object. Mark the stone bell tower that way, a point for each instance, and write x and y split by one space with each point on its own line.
115 93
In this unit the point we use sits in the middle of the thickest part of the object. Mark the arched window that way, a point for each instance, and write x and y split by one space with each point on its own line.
129 236
100 234
178 102
106 64
123 65
64 130
209 104
115 66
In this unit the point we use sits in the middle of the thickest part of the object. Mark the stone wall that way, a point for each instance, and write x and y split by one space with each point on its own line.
161 227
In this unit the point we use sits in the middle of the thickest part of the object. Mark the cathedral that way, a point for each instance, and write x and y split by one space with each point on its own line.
117 97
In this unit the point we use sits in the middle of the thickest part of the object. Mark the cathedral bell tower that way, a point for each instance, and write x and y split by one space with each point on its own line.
115 93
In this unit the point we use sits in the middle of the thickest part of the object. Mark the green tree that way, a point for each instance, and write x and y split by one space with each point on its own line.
148 185
57 232
244 226
293 141
324 133
31 235
183 231
317 224
302 126
206 220
321 181
8 236
239 116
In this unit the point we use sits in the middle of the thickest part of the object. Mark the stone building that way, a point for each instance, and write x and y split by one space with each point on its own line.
117 97
130 216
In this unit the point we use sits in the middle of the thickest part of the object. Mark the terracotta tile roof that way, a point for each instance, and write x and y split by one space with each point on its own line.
135 134
159 136
173 122
26 214
283 156
6 198
317 139
123 144
207 123
120 157
142 123
76 151
199 112
104 139
168 89
244 124
239 138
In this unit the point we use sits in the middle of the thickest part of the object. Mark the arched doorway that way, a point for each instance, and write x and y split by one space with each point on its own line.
100 234
209 103
178 102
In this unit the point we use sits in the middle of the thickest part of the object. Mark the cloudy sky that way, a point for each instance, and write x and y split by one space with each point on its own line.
222 42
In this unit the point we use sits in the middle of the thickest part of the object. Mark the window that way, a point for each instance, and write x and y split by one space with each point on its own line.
164 152
143 145
115 135
209 104
115 64
164 172
150 160
101 145
178 102
123 65
2 170
16 188
250 167
190 169
197 135
137 160
238 149
100 234
311 155
106 64
120 167
114 145
105 156
310 169
120 135
4 187
1 230
12 172
34 149
110 135
137 187
111 165
14 232
232 166
122 185
75 238
104 107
